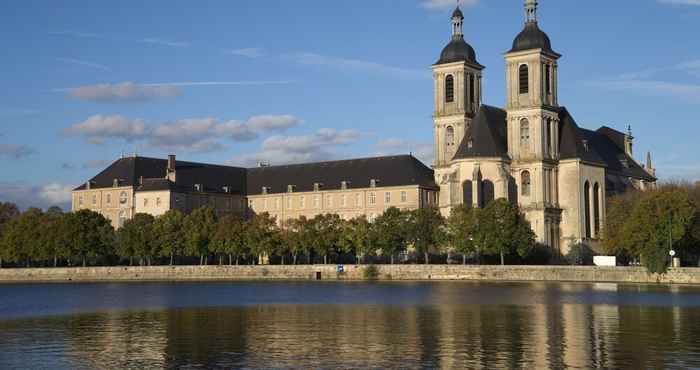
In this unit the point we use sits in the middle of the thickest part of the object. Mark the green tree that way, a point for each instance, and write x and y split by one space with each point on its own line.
297 235
136 239
199 227
230 238
425 230
8 211
659 220
168 231
88 234
357 233
262 236
326 236
502 229
50 235
389 232
22 237
460 228
619 207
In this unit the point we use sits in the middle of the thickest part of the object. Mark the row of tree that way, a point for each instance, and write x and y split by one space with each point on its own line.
52 238
649 225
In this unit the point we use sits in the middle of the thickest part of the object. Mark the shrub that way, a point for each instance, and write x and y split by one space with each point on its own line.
580 254
370 272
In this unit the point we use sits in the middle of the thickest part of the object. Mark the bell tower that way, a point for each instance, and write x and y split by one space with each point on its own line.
457 92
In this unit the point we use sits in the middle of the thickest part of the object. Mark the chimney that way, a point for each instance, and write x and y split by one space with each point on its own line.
140 180
170 173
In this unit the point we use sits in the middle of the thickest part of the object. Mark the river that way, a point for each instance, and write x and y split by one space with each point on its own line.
327 325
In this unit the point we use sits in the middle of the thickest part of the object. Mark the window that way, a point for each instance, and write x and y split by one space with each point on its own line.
467 193
264 204
373 183
108 198
372 198
291 188
80 200
122 218
358 200
524 132
302 202
449 89
525 183
94 200
450 136
547 79
123 197
329 201
250 204
472 92
317 202
488 192
403 197
343 200
344 185
277 203
548 138
318 186
289 202
387 197
524 79
587 207
145 202
158 202
596 210
265 190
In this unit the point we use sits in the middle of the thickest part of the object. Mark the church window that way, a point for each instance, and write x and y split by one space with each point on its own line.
467 193
587 207
524 132
596 209
548 137
472 92
548 79
525 183
450 136
524 79
488 192
449 89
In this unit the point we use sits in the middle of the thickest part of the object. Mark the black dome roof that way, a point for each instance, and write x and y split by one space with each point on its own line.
457 13
458 51
532 37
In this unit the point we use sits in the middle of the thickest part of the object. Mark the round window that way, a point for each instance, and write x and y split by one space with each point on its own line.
123 197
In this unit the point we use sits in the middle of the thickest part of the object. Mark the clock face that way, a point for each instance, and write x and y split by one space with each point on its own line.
123 197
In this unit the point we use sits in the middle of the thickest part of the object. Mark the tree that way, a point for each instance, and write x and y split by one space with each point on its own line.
88 235
168 231
230 238
614 242
389 232
22 237
263 236
136 239
297 236
425 230
659 220
326 235
460 228
50 235
199 227
8 211
502 229
357 233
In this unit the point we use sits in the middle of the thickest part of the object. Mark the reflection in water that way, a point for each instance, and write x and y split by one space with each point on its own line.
537 326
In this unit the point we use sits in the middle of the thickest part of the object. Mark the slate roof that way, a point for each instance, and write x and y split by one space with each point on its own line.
389 171
129 170
609 144
458 51
532 37
487 135
575 142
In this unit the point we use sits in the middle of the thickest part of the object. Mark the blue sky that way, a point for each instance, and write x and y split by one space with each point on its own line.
242 81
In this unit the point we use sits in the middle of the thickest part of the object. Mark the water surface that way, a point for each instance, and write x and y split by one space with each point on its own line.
302 325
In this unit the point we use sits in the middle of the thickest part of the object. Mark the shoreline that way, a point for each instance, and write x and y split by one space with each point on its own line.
512 273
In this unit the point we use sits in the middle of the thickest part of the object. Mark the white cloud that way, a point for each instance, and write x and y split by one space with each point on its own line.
421 150
649 87
272 123
84 63
357 65
161 42
247 52
98 128
445 4
44 196
320 146
122 92
15 151
680 2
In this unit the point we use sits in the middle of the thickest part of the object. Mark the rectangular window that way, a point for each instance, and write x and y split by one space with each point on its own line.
109 198
548 79
358 200
250 204
372 198
145 202
94 200
158 202
343 200
302 202
387 197
277 203
317 202
403 197
289 203
264 204
80 200
329 201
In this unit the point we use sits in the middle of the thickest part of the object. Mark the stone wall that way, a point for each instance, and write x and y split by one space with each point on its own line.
352 272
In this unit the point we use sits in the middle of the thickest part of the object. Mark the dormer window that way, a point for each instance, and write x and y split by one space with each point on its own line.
265 190
198 187
344 185
115 183
291 188
318 186
227 189
373 183
585 144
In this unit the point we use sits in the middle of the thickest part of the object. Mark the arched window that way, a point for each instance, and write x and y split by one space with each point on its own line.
548 79
587 207
488 192
524 79
122 218
524 132
449 89
450 136
467 193
548 138
525 183
596 210
472 91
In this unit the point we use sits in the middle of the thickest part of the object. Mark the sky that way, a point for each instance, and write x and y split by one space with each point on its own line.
239 82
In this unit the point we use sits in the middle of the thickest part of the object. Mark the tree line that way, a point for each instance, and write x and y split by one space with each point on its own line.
495 234
645 226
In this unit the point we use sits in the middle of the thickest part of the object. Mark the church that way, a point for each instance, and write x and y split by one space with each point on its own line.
530 152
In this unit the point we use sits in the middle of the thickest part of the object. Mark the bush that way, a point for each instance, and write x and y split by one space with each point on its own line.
540 254
580 254
371 272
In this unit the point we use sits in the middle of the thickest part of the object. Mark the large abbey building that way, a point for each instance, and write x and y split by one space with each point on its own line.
532 153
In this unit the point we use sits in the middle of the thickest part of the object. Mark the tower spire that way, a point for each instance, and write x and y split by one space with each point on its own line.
531 11
457 23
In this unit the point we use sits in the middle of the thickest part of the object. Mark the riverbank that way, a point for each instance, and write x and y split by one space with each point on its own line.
351 272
